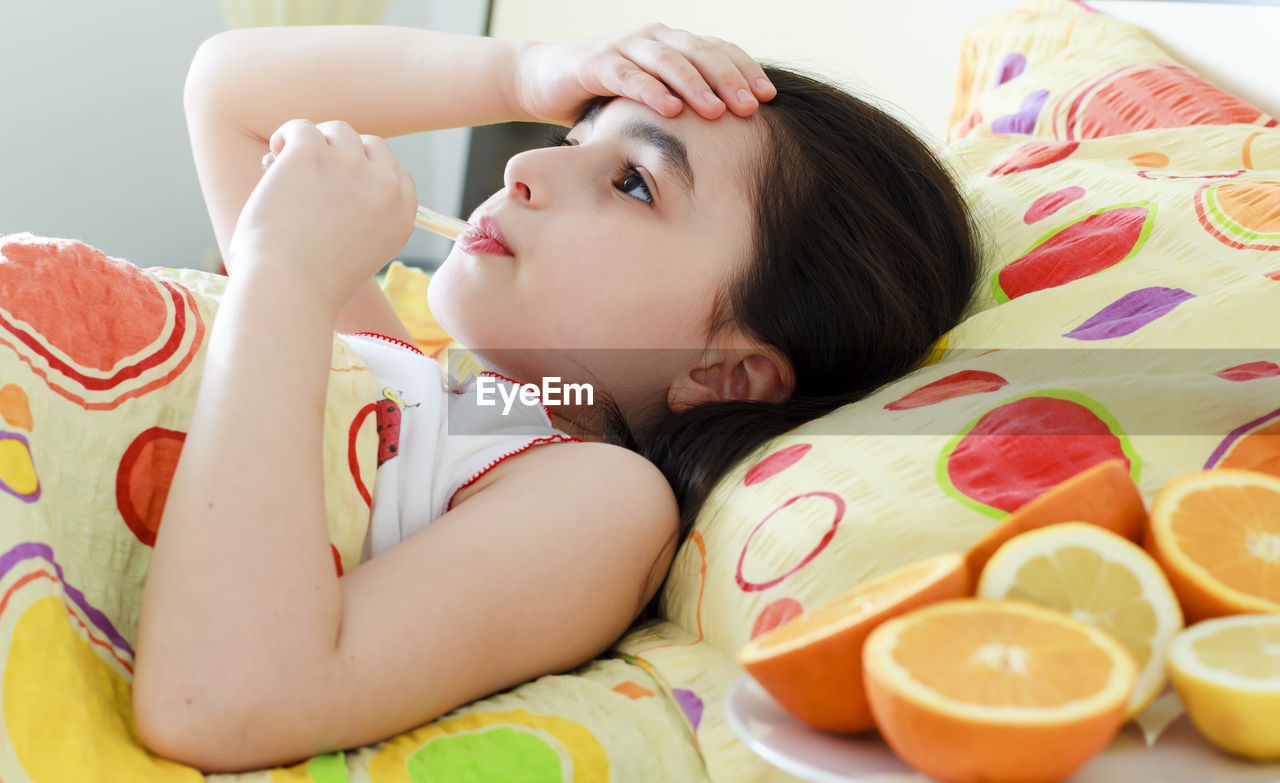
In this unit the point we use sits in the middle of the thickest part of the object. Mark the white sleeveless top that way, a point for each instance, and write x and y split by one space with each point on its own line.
436 435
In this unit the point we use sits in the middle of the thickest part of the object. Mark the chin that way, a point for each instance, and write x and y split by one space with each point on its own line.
437 298
448 302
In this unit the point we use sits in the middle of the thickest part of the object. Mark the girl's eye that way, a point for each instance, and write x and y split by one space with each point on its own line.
628 178
630 181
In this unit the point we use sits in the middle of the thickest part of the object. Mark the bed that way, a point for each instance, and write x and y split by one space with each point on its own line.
1049 123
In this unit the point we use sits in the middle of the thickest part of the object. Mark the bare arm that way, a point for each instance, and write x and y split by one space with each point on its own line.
250 650
383 81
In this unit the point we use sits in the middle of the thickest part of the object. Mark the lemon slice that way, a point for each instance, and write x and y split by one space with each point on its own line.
1227 673
1097 576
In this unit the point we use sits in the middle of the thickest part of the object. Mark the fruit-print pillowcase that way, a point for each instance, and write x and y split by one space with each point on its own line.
1130 213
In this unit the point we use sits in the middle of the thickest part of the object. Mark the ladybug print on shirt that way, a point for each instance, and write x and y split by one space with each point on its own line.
389 411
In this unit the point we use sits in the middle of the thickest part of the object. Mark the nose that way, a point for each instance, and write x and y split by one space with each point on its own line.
529 176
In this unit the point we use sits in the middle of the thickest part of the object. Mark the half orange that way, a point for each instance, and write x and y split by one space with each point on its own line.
812 664
997 691
1216 534
1103 495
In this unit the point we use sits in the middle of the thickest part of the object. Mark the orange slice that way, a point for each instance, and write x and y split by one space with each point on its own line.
1102 495
997 691
812 664
1216 534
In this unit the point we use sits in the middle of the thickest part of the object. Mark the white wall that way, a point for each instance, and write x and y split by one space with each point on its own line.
93 142
901 53
905 53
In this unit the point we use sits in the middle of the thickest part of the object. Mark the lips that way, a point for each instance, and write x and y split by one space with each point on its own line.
485 238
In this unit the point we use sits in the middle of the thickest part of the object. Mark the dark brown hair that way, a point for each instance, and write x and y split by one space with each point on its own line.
865 256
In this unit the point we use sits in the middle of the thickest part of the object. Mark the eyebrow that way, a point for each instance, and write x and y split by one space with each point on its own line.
674 154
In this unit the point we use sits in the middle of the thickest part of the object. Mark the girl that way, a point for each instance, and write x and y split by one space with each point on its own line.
787 246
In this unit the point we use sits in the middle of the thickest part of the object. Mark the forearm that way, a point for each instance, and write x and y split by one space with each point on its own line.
241 591
386 81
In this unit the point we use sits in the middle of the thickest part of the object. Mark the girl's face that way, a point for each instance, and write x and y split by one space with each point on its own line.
620 240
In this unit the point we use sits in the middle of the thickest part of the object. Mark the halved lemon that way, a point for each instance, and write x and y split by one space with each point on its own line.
1097 576
812 664
1227 673
995 691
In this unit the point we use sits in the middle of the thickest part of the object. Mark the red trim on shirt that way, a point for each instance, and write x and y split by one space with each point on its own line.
391 340
535 442
500 375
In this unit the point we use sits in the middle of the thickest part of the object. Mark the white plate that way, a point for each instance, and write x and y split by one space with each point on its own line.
1179 755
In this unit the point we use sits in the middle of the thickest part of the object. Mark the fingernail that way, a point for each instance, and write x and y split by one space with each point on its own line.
710 97
764 85
745 96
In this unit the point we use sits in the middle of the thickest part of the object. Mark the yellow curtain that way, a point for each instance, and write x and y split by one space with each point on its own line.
258 13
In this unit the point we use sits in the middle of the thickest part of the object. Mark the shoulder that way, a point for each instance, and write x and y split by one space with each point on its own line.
601 461
603 497
582 472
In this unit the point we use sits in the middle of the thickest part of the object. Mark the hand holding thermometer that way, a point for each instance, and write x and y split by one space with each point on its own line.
426 219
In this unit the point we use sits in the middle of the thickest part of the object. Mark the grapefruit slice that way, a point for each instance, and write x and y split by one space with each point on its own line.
1216 534
1096 576
812 664
997 691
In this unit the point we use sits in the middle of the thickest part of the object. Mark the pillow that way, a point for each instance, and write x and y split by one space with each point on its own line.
1130 213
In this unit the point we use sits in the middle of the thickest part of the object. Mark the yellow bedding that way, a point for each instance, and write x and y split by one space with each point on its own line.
99 366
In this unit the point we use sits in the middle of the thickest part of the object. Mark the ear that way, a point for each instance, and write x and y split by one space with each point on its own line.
741 374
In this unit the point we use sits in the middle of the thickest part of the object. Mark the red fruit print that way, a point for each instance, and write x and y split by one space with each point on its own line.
1022 447
1142 97
388 413
1049 203
776 614
957 384
1250 371
1034 155
776 463
1083 247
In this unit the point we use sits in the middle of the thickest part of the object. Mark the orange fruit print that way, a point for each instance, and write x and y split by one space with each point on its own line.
96 359
1254 445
